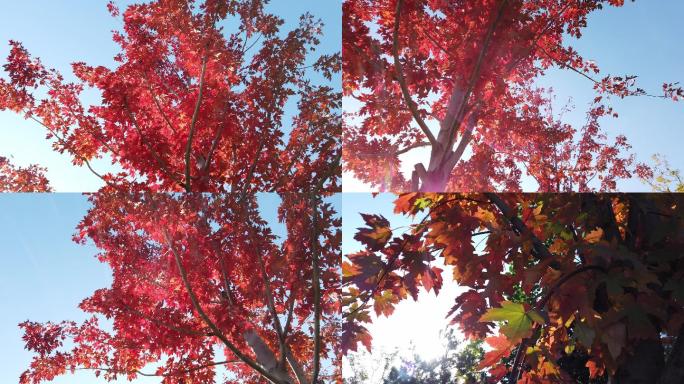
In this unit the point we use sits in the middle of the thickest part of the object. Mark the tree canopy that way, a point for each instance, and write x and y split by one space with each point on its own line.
458 77
199 282
190 106
557 276
22 179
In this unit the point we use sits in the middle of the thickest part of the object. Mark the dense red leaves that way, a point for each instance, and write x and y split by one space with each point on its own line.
469 70
22 179
176 259
561 276
188 100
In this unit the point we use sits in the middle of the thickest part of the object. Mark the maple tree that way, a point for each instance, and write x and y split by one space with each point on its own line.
200 281
458 78
22 179
556 280
191 107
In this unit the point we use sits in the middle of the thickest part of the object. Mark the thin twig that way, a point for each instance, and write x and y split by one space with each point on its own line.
78 156
411 147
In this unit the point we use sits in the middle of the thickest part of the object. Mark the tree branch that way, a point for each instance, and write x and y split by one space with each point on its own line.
316 292
270 303
186 331
402 81
156 103
214 144
519 226
455 156
411 147
252 167
290 312
563 65
193 122
474 75
66 146
162 163
217 332
168 374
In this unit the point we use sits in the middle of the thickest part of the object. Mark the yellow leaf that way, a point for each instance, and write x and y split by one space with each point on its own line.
538 209
537 213
349 269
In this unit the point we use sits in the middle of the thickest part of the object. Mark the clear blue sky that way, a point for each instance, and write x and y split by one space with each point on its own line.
641 38
62 32
44 275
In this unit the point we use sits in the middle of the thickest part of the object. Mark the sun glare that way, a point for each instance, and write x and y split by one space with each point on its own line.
416 324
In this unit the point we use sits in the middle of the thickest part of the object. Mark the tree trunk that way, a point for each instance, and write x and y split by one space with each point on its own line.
266 357
435 182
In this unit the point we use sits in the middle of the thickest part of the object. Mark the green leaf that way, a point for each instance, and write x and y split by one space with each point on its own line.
509 311
536 317
614 284
566 235
517 329
639 326
422 203
518 321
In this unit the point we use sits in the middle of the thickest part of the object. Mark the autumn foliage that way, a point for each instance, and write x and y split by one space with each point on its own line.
191 106
200 282
550 278
458 78
22 179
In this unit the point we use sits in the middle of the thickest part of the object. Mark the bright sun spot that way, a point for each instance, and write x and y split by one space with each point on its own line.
416 324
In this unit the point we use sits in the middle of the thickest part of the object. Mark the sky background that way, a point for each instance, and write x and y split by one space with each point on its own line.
44 275
641 38
62 32
414 323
